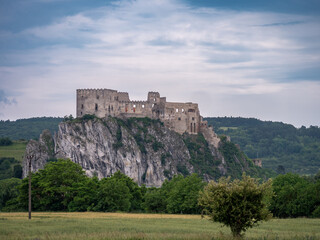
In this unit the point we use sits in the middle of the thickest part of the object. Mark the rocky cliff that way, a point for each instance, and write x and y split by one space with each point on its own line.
143 149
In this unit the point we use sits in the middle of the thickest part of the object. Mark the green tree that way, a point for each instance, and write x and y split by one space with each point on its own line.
17 171
54 187
155 201
295 196
114 195
8 190
238 204
183 194
86 197
5 141
136 192
119 193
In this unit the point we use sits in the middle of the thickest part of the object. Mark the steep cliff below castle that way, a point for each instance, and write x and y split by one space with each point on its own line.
143 149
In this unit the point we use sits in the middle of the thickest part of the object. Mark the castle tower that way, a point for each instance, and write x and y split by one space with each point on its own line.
153 97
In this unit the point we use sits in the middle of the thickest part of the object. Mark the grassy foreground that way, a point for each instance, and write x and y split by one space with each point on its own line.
90 225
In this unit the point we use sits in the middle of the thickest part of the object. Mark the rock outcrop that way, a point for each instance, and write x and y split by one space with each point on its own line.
143 149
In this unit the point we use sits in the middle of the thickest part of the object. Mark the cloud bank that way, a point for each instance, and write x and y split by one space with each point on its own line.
233 63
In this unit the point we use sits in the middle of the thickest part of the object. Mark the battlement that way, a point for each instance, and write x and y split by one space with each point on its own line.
180 117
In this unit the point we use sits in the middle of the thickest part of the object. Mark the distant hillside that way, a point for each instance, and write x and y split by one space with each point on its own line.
282 147
29 128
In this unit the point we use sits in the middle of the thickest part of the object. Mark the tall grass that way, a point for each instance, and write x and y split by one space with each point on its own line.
142 226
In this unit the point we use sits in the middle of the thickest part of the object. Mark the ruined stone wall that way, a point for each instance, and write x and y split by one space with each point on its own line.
180 117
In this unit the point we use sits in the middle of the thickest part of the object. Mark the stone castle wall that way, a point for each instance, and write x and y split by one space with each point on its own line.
180 117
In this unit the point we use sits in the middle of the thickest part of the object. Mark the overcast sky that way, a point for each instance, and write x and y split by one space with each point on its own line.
243 58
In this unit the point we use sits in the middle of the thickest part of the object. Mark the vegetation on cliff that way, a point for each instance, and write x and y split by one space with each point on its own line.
282 147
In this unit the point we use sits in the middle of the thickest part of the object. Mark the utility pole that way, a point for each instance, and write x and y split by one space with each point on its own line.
29 157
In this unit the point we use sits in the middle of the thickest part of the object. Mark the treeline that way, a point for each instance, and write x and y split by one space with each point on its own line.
5 141
29 128
282 147
10 168
63 186
296 196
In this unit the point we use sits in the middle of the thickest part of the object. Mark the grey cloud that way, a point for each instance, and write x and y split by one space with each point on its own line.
281 24
165 42
143 45
229 58
5 100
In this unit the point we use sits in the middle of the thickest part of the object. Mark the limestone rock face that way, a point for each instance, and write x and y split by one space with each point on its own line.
142 148
39 152
146 151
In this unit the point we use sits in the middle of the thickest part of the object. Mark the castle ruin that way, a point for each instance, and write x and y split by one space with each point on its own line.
180 117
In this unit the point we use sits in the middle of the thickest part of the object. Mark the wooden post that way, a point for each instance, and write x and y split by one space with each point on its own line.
29 157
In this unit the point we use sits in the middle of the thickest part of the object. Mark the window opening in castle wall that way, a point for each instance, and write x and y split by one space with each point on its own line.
96 107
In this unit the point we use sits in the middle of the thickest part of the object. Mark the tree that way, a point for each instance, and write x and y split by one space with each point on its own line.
238 204
119 193
8 190
114 195
154 200
5 141
183 194
55 186
295 196
17 171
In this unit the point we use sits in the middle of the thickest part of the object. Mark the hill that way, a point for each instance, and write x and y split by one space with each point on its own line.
142 148
29 128
282 147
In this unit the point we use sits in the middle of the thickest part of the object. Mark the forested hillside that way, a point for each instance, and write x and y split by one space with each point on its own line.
29 128
281 146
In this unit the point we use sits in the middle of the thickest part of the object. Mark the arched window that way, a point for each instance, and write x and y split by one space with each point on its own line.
96 107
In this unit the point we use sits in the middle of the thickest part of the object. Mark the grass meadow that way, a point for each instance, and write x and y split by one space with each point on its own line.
89 225
16 150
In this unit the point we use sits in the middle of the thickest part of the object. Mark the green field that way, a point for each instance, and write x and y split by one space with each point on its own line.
91 225
16 150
